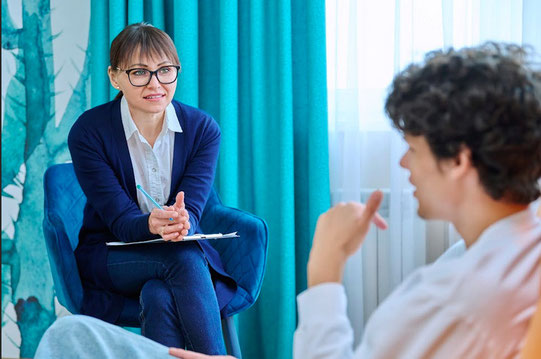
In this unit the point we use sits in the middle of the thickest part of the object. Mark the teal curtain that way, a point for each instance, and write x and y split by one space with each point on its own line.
258 67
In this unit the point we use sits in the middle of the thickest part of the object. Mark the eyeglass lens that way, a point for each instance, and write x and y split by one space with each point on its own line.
141 77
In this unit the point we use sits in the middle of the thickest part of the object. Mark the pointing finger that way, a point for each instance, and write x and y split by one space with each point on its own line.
370 212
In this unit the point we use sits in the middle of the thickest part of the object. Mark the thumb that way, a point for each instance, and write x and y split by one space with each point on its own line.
179 200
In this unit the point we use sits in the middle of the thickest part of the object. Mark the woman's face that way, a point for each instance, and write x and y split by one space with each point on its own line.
151 99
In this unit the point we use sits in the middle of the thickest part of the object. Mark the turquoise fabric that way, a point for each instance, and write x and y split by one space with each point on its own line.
259 68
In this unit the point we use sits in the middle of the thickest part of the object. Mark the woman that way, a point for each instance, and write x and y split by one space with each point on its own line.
145 138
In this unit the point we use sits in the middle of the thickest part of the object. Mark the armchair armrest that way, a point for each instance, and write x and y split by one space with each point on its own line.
243 258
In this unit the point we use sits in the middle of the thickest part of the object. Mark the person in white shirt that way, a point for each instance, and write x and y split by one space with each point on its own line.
472 119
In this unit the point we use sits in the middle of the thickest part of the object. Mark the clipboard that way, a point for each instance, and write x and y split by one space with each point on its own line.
195 237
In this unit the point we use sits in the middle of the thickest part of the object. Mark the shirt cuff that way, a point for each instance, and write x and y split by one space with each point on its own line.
326 300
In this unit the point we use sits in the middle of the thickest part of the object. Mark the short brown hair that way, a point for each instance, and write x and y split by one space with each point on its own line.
143 38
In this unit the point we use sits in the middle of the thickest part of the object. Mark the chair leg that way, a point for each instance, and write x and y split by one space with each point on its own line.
230 337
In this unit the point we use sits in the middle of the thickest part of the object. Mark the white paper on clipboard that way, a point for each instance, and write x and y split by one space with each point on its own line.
195 237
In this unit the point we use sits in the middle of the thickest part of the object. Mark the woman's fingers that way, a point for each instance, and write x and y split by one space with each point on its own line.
174 232
174 237
171 222
163 214
184 213
179 200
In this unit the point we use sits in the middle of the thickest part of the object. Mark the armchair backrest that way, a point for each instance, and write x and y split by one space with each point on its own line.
63 217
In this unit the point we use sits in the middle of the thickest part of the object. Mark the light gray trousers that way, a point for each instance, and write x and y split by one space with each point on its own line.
80 336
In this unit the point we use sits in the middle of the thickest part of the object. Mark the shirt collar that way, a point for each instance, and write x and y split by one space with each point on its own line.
130 128
172 119
127 121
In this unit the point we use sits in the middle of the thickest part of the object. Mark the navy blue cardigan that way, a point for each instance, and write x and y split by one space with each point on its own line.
102 163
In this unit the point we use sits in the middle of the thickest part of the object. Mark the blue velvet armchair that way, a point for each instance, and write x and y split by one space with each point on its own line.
243 258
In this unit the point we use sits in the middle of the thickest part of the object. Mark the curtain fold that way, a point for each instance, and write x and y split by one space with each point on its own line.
259 68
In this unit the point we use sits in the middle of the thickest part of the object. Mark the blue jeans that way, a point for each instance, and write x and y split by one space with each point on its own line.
178 305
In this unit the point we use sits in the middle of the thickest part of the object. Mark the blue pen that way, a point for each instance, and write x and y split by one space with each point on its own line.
150 198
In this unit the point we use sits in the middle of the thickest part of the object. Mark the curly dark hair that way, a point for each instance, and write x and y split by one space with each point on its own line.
487 98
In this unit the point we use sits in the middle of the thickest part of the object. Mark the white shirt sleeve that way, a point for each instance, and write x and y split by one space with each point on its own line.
407 326
324 330
417 326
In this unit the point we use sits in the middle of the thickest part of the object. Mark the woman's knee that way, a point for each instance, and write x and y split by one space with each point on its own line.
187 256
156 294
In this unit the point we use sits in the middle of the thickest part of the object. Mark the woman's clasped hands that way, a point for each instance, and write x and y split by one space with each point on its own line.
172 223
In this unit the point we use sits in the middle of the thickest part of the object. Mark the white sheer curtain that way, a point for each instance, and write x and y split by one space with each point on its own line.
367 43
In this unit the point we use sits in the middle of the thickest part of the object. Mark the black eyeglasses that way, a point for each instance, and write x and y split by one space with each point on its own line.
141 77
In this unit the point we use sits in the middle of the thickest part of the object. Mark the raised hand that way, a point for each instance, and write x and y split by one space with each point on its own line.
180 208
339 233
160 222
